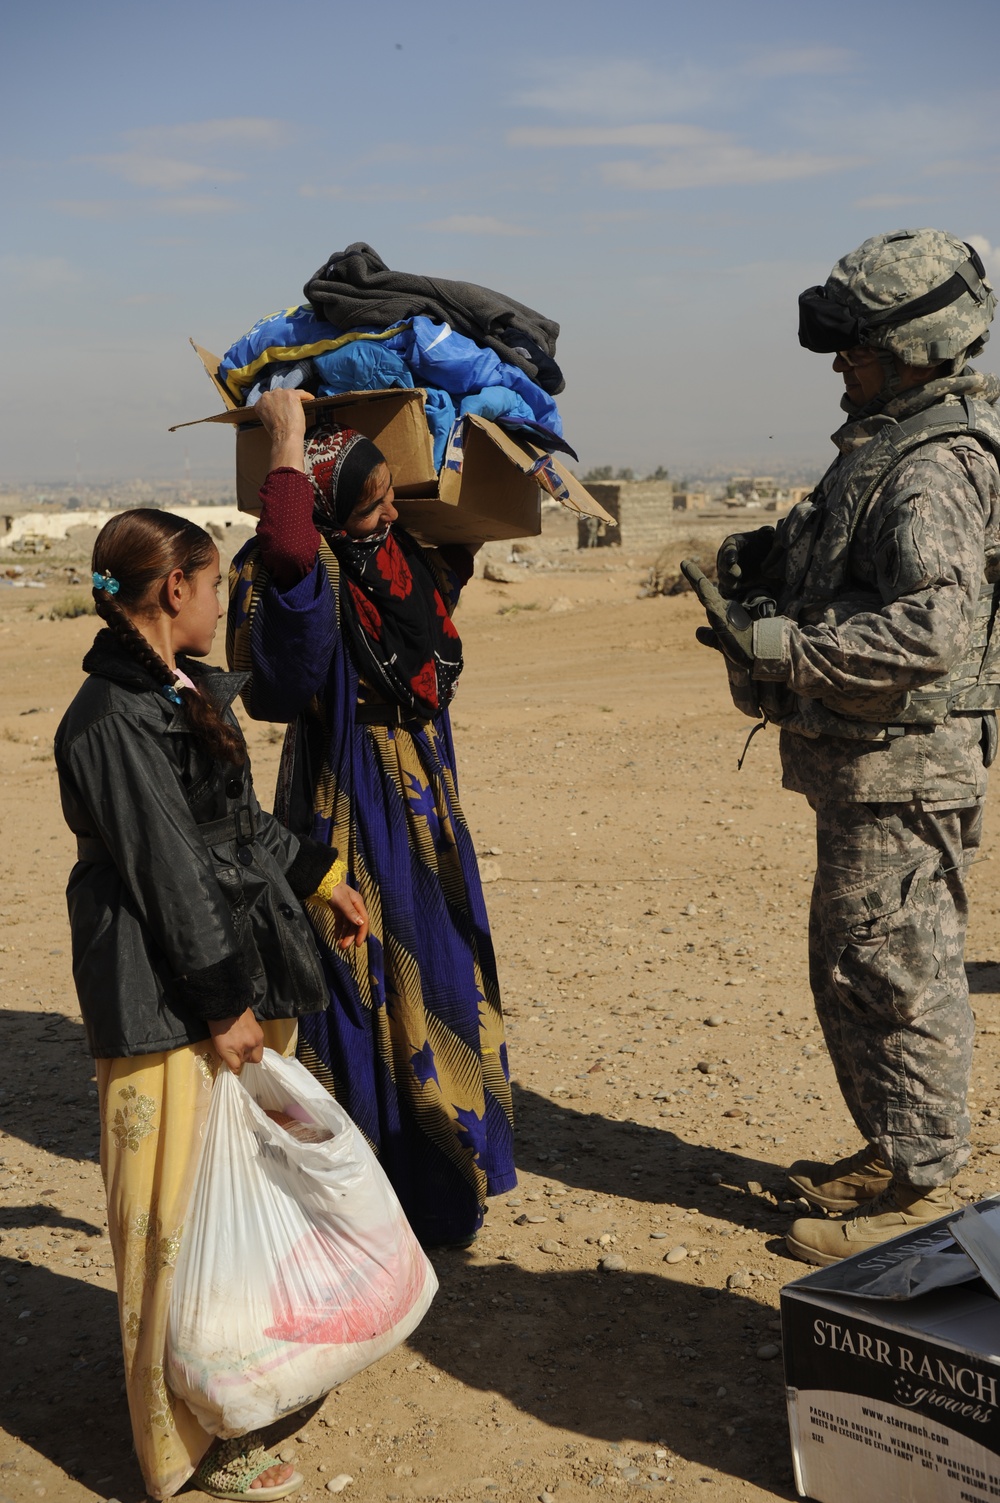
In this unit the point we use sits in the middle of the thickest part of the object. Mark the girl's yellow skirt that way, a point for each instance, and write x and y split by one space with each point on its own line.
154 1108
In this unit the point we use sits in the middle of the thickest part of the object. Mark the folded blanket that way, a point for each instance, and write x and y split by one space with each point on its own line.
355 288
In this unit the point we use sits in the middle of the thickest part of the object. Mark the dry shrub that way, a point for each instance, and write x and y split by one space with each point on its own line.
665 577
516 606
68 607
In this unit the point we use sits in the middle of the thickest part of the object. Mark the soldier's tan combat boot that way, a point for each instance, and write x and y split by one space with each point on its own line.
842 1186
899 1208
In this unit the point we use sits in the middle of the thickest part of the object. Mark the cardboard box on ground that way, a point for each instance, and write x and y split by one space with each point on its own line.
488 489
897 1398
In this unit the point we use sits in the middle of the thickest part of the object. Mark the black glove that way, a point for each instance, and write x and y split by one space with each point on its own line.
742 559
731 625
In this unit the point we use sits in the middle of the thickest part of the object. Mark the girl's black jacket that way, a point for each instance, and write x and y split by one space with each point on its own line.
184 903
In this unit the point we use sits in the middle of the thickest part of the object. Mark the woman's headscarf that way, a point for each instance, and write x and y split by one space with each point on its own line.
338 462
397 626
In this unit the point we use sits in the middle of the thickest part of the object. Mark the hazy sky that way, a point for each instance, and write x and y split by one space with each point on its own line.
662 178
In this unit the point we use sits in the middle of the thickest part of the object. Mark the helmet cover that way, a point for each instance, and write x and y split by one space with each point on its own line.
868 294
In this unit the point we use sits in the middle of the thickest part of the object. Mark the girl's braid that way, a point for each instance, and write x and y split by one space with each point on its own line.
131 638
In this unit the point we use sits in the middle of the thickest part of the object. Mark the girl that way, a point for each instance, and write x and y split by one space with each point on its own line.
346 625
190 944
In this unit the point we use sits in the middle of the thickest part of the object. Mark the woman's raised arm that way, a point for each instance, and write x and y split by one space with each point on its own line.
281 412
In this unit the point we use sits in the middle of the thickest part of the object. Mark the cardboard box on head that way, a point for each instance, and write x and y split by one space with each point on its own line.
488 489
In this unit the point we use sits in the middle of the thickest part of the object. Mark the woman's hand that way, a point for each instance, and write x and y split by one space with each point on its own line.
283 415
350 916
238 1041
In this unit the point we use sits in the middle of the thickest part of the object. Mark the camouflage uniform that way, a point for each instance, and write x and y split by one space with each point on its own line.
898 811
864 626
886 947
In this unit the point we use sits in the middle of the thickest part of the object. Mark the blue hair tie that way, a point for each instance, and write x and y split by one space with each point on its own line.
106 582
169 692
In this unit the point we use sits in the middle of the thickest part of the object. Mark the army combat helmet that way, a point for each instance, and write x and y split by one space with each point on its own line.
920 295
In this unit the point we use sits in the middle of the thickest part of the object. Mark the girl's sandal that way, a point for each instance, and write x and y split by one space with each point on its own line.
232 1465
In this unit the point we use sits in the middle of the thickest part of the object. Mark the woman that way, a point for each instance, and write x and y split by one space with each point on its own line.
190 945
344 623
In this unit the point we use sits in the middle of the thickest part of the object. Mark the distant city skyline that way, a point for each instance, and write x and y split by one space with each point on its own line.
220 490
661 179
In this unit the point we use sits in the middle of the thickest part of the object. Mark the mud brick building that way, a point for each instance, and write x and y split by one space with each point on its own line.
643 510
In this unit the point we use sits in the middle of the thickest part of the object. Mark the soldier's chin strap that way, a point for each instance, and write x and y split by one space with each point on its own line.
746 745
892 378
892 387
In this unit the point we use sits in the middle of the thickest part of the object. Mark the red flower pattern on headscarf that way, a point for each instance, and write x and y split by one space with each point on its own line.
338 462
424 683
394 569
447 624
322 473
367 610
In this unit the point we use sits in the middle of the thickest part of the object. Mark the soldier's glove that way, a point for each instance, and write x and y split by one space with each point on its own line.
742 559
731 625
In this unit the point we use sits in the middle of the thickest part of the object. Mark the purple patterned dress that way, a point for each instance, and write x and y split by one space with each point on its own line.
413 1042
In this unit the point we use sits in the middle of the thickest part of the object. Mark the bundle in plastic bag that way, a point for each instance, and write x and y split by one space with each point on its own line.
297 1267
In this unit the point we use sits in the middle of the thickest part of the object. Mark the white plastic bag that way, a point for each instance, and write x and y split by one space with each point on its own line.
297 1266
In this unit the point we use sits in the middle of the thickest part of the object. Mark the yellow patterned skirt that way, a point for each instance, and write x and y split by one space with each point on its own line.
153 1113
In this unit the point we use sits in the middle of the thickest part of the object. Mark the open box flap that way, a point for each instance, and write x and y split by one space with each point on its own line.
211 363
538 464
563 485
398 396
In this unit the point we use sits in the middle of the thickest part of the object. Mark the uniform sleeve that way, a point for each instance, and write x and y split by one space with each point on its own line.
136 805
925 541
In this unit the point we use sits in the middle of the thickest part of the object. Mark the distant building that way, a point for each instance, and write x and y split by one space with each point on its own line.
643 510
763 493
747 489
31 531
797 493
691 500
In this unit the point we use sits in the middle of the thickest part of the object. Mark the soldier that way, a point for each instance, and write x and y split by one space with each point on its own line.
864 627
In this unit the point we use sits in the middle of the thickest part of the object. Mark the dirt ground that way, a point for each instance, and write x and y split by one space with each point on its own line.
649 908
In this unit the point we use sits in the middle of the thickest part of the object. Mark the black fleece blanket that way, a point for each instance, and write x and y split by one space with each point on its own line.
355 288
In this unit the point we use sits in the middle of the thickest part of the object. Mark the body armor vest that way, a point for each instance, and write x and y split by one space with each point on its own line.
820 585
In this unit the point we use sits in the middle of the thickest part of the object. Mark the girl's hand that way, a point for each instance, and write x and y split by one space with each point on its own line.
281 412
350 916
238 1041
